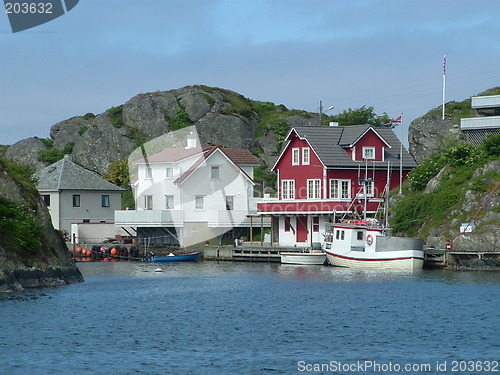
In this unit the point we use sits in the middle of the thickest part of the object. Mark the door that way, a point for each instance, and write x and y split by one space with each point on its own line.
301 233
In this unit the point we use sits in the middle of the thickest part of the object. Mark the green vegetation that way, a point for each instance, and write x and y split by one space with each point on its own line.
181 120
19 228
115 115
421 211
118 174
51 155
361 116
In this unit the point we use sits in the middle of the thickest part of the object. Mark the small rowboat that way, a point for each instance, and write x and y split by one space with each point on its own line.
193 257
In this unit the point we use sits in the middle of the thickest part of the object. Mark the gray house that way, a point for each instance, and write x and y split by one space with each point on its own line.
74 194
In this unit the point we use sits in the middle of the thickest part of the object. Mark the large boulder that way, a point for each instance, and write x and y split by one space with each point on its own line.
25 152
68 131
428 134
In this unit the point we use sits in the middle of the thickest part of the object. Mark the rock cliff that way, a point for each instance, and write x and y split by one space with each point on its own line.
32 252
222 117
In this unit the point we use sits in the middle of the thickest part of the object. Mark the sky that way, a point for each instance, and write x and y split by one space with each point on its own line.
382 53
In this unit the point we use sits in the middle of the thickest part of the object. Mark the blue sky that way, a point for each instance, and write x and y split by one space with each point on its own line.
382 53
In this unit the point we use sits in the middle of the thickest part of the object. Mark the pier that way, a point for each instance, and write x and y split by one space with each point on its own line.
461 260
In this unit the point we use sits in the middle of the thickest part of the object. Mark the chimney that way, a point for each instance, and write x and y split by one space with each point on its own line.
191 141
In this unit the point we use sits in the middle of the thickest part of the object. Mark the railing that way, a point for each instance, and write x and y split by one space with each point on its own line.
150 218
489 122
491 101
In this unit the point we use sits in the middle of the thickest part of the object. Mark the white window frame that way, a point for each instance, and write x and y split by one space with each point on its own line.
314 188
287 189
199 202
295 156
306 156
229 202
369 153
338 187
214 168
169 172
369 187
169 202
148 202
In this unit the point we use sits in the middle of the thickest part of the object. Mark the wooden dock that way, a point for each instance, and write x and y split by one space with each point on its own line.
244 253
461 260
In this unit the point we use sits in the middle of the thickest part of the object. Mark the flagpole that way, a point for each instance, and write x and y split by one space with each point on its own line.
401 159
444 81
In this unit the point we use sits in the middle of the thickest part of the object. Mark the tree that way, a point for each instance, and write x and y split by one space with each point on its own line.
361 116
118 173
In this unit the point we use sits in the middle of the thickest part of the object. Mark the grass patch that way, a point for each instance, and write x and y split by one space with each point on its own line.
115 115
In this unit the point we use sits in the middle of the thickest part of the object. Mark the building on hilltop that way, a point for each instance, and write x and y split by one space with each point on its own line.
325 172
74 194
476 129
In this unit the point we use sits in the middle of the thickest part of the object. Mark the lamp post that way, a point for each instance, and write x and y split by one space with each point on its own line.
321 110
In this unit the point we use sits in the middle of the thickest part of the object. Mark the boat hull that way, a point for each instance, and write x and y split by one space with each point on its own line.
410 262
303 258
191 257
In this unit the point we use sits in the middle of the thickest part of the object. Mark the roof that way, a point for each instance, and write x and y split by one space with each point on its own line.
238 157
66 175
172 155
328 142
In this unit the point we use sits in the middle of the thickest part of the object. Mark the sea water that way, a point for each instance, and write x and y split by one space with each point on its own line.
253 318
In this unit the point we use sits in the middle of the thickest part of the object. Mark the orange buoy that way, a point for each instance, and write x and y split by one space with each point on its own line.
114 251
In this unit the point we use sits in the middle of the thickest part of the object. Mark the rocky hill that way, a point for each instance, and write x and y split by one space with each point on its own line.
222 117
32 252
452 183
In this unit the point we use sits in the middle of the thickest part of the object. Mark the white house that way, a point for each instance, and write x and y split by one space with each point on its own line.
190 195
74 194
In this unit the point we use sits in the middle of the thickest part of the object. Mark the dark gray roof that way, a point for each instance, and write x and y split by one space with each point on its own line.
66 175
328 142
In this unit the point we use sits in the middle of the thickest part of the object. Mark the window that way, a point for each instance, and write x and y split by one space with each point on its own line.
295 156
148 202
46 199
369 188
340 189
105 201
315 223
169 172
149 173
369 153
169 202
76 200
214 172
305 156
313 190
360 235
199 202
229 202
287 224
288 189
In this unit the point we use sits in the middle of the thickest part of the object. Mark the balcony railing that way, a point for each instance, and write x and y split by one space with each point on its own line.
150 218
492 101
489 122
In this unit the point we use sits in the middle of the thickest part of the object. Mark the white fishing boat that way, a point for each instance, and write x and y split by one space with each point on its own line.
303 257
364 244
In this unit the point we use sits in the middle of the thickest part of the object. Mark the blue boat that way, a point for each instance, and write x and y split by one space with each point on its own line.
190 257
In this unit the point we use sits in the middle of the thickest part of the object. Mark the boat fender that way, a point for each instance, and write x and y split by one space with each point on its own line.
369 240
449 246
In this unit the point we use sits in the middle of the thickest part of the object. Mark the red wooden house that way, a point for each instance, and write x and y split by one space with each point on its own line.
325 172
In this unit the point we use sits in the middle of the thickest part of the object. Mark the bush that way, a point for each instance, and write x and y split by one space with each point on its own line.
491 145
115 115
19 228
